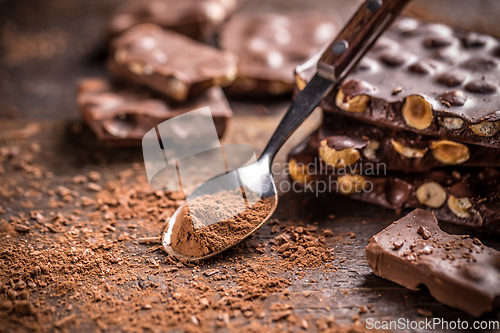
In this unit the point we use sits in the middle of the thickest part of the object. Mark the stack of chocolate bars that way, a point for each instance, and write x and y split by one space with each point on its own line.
415 125
162 65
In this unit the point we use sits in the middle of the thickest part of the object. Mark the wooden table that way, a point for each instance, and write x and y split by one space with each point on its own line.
38 88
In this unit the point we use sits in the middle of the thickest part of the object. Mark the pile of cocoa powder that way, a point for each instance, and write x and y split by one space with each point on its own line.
193 238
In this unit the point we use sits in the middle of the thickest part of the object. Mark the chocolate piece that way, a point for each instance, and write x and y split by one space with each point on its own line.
413 67
270 45
453 98
170 63
457 270
481 87
198 19
464 196
121 115
451 79
400 151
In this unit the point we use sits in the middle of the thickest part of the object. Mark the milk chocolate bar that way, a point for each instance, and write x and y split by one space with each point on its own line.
270 45
344 141
425 78
120 115
198 19
458 271
464 196
169 63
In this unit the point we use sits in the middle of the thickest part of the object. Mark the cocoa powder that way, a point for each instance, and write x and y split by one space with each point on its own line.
73 259
192 238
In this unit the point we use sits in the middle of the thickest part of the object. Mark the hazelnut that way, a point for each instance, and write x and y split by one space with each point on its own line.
438 41
278 88
225 80
121 56
481 87
475 272
431 194
417 112
349 184
451 123
136 67
450 152
407 151
215 12
370 151
453 98
298 172
459 206
300 82
451 79
177 89
486 128
338 158
356 103
245 83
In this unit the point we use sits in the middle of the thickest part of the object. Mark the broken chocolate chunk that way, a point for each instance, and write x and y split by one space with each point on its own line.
426 105
193 18
270 45
120 115
462 276
170 63
472 199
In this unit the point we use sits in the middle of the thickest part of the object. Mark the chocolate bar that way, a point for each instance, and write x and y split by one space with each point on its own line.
425 78
169 63
458 271
464 196
343 142
270 45
198 19
121 115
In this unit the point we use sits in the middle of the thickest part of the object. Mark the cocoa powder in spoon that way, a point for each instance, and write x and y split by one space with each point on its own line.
192 238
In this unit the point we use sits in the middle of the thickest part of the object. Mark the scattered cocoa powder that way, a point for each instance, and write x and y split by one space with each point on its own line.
301 247
72 259
191 237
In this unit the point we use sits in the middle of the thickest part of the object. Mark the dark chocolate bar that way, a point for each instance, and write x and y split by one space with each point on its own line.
198 19
121 115
464 196
458 271
344 141
270 45
425 78
169 63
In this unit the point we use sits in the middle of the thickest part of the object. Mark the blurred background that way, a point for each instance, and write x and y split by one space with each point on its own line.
46 45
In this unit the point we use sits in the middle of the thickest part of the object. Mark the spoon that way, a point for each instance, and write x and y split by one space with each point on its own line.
367 24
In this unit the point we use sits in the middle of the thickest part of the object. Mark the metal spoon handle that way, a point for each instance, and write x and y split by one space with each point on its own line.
371 19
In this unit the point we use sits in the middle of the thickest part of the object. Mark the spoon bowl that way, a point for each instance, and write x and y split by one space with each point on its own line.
255 178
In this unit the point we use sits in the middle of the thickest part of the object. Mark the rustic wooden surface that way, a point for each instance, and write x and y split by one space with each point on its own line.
40 90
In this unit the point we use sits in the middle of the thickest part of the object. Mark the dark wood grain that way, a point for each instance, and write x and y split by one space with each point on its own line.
360 33
42 89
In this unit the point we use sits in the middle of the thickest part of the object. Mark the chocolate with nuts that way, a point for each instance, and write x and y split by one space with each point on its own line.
344 142
457 270
466 196
270 45
120 115
193 18
169 63
425 78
